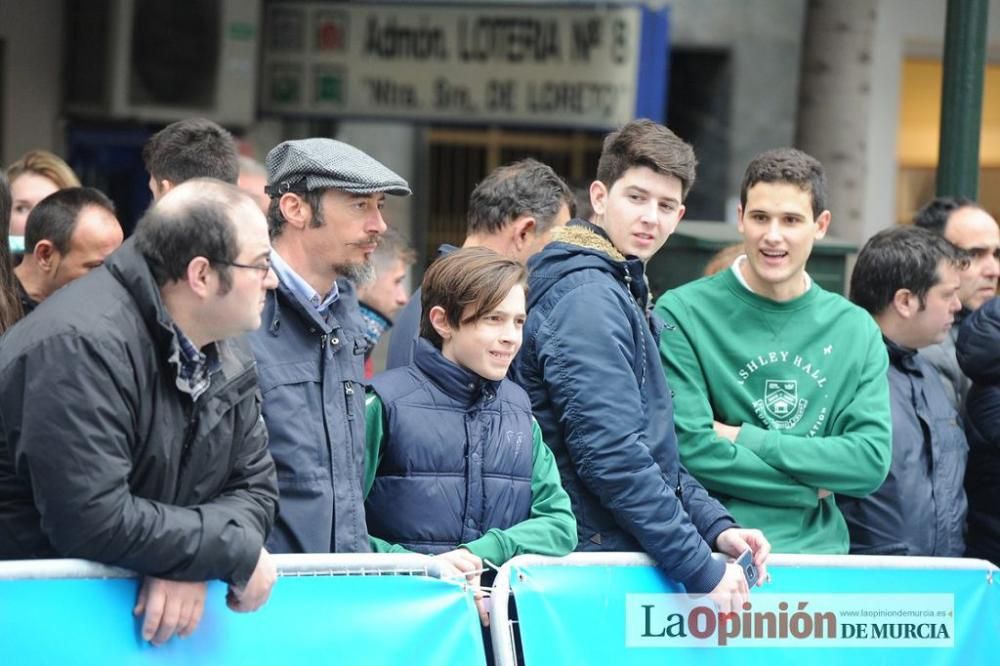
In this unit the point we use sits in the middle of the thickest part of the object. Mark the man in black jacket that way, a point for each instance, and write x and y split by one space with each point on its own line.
130 428
908 279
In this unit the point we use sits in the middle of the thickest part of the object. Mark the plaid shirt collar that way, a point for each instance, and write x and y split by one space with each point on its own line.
194 368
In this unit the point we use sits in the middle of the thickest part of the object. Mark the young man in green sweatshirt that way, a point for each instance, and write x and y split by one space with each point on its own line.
781 397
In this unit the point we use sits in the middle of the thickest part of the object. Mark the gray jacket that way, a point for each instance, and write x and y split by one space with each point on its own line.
920 508
312 378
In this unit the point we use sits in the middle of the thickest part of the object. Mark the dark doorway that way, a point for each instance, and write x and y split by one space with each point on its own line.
700 94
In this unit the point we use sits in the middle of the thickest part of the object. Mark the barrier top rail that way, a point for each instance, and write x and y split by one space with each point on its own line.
361 564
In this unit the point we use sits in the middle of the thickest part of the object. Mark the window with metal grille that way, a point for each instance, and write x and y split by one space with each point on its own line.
459 158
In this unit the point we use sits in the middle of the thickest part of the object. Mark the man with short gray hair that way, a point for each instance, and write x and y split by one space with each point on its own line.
325 220
513 212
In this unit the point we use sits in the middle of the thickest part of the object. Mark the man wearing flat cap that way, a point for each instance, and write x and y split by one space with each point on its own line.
325 220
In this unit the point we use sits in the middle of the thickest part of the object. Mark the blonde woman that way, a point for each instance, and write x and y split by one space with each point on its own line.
35 176
10 306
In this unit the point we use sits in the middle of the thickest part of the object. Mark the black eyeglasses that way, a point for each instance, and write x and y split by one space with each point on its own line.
264 268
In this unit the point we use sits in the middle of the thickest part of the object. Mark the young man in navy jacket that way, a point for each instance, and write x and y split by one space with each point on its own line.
591 367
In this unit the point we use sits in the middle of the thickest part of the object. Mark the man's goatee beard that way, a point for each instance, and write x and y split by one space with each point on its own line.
359 274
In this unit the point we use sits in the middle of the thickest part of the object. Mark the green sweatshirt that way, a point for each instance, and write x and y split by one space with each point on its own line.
805 380
549 530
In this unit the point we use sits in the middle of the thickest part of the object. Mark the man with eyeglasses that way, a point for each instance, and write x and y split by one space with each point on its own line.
968 226
325 221
130 429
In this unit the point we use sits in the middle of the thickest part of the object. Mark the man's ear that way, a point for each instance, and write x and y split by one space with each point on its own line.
46 255
165 186
823 223
295 210
201 278
439 320
598 197
523 230
905 303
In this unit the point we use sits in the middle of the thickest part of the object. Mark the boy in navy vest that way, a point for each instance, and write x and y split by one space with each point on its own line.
455 465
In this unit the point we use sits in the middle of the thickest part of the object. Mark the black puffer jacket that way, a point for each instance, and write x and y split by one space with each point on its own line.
103 458
979 355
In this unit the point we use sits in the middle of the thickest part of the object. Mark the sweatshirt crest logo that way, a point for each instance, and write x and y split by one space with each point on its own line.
781 403
780 397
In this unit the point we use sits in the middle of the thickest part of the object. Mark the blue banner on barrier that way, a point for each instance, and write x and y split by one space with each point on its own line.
308 620
815 615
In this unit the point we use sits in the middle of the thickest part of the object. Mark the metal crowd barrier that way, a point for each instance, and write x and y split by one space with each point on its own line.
364 609
575 610
587 608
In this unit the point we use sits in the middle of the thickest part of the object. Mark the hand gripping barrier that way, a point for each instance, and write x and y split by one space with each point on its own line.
617 608
335 609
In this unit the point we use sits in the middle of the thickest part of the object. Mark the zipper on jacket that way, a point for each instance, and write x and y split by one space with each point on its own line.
349 399
680 491
191 428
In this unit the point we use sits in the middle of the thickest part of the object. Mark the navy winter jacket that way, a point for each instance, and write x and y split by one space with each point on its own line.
979 355
467 462
591 366
312 378
920 507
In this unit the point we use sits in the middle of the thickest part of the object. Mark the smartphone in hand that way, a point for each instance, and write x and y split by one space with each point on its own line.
745 562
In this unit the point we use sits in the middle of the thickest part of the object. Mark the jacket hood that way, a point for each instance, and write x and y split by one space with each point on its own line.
581 246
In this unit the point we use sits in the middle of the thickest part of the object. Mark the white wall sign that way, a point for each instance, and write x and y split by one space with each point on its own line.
565 66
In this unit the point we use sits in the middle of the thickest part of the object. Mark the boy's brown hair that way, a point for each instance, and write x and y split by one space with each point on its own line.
643 143
472 276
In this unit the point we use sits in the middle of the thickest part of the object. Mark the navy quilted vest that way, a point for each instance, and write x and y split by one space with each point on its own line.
456 455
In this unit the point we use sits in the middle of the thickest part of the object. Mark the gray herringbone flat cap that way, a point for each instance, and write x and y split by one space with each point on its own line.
310 164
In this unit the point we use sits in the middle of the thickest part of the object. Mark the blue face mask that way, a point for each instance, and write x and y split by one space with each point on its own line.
16 243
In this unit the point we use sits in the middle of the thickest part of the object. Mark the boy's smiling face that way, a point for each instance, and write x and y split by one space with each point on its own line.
488 345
